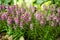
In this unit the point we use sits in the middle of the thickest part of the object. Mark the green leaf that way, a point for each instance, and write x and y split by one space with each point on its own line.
0 1
40 1
9 31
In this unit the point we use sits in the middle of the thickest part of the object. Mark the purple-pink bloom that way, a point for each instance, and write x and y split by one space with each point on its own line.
55 17
21 24
32 8
16 7
23 17
9 21
22 10
2 7
4 16
26 17
16 20
18 12
44 7
10 9
58 10
38 16
13 15
50 17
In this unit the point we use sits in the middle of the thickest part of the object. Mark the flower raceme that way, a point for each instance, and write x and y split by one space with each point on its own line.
21 24
16 20
40 17
26 17
4 16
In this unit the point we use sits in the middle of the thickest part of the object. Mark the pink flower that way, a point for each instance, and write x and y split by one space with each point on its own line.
50 17
39 16
23 17
2 7
22 10
55 17
58 10
32 8
10 9
13 15
4 16
26 17
16 7
21 24
42 22
9 21
44 7
18 12
16 20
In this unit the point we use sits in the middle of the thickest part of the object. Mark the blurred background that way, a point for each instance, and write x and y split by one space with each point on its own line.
29 2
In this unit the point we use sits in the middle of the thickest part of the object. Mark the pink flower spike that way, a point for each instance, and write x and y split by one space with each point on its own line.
16 20
2 16
58 10
9 21
32 8
22 10
21 24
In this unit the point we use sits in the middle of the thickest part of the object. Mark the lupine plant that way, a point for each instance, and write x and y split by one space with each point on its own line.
30 23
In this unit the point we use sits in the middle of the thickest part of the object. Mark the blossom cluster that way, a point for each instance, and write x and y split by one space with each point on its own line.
19 16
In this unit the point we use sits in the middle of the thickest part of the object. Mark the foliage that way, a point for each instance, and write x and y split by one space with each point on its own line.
6 2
